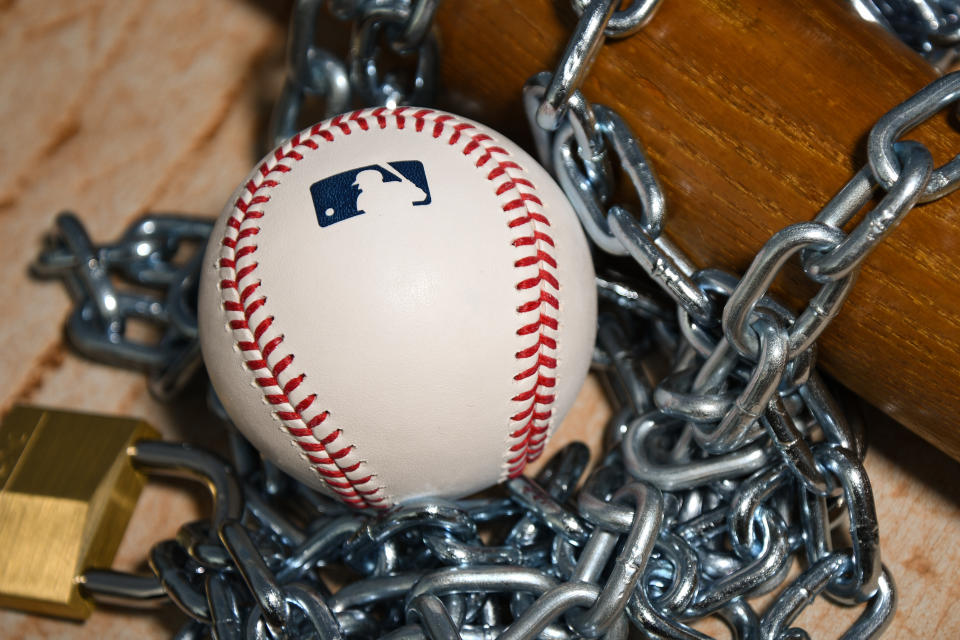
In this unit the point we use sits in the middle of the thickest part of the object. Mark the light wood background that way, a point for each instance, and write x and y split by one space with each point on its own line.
113 108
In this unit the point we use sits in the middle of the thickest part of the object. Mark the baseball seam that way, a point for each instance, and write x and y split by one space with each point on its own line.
256 339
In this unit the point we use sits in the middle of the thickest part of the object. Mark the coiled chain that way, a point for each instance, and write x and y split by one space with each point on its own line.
727 457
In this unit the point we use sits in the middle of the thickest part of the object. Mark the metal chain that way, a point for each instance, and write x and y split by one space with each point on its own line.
397 29
165 294
720 471
929 27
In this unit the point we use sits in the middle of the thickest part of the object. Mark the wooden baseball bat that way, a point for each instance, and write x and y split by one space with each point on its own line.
754 114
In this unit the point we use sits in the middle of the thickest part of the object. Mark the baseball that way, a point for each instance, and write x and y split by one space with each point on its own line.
398 303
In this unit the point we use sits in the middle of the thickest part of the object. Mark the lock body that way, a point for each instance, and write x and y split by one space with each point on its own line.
67 491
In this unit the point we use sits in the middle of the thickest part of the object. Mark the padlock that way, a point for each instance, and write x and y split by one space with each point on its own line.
67 491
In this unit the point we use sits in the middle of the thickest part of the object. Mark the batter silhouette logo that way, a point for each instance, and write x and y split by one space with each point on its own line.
348 194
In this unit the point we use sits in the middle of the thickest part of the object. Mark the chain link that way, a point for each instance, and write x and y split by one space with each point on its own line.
380 28
162 292
930 27
624 22
727 458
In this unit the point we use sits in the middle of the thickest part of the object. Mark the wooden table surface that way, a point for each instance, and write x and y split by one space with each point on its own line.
113 108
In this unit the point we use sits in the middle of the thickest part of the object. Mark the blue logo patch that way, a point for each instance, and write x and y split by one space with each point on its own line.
345 195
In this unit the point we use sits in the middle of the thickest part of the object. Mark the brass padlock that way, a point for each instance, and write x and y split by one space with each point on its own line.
67 491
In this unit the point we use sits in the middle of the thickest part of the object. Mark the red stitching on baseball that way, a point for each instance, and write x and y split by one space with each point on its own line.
355 116
529 435
350 490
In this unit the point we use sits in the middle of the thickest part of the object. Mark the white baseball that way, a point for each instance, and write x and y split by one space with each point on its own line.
398 303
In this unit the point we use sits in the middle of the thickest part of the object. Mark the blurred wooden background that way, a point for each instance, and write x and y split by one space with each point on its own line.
113 108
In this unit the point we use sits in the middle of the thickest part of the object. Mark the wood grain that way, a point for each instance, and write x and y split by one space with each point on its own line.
754 114
117 107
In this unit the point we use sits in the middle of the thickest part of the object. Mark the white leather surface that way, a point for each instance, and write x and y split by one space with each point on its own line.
403 319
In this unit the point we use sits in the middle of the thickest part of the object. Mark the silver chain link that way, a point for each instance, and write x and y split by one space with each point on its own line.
401 29
144 257
930 27
719 472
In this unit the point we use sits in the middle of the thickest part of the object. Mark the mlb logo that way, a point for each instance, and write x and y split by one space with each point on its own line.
345 195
